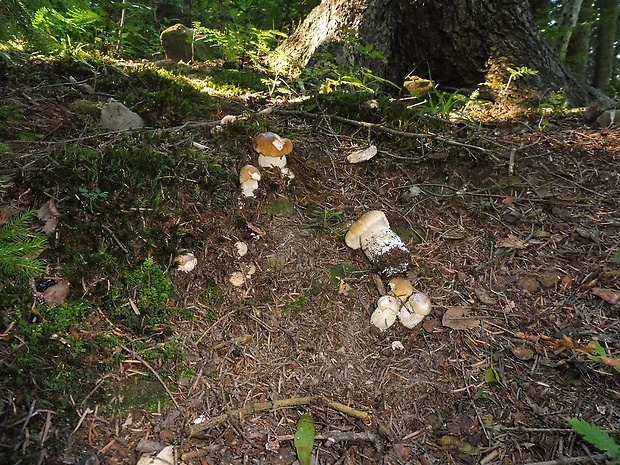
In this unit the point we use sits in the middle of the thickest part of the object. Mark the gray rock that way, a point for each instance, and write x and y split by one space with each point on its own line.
608 118
117 117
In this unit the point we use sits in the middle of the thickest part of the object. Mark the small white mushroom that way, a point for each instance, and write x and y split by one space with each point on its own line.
237 279
228 119
242 248
272 150
248 178
384 315
383 247
415 309
186 262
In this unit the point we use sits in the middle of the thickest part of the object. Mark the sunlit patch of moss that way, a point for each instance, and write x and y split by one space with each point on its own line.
229 82
164 98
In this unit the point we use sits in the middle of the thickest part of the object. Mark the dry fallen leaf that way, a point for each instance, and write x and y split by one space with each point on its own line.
457 318
511 242
344 288
55 295
484 296
48 214
362 155
165 457
607 295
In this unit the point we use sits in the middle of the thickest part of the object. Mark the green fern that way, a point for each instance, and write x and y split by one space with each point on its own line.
19 247
597 437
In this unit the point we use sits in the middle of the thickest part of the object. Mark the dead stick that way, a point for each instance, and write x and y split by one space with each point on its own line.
380 128
196 430
364 416
582 459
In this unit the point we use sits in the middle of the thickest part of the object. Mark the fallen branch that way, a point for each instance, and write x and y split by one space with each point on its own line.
197 430
364 416
380 128
568 460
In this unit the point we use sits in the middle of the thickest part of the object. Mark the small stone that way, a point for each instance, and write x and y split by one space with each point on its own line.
528 284
550 279
117 117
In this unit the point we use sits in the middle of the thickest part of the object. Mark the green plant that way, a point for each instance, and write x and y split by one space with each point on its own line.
20 246
518 73
598 438
600 355
444 104
141 302
93 195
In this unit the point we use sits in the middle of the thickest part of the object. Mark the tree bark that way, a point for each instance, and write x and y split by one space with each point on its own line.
570 14
605 37
579 46
457 43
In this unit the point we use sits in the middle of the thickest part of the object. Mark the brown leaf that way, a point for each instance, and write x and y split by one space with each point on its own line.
511 242
55 295
607 295
344 288
457 318
484 296
48 214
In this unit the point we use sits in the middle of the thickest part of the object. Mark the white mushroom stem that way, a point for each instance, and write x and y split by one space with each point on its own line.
380 241
384 315
414 310
248 187
271 162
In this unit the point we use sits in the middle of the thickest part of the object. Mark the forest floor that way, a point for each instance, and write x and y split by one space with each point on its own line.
512 234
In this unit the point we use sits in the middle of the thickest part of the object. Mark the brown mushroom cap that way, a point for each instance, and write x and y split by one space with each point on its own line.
270 144
363 224
400 288
249 172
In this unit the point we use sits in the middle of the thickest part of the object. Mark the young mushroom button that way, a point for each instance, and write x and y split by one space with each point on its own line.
248 178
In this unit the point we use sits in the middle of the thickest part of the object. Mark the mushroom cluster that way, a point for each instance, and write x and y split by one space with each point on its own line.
383 247
402 303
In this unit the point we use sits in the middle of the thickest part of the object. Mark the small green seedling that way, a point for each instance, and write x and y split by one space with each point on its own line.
94 195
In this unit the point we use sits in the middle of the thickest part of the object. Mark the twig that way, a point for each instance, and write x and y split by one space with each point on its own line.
333 437
197 429
378 127
118 242
159 378
364 416
581 459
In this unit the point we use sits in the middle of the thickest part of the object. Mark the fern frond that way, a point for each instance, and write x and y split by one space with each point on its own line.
20 246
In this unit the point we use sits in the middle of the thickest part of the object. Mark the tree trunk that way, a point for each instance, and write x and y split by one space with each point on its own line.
457 43
570 13
605 37
578 53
